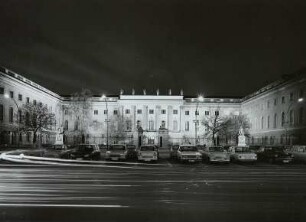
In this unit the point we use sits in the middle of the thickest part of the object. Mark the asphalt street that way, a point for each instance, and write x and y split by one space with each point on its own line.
165 192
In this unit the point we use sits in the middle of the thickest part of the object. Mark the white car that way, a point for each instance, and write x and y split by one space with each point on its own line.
147 153
242 154
116 152
215 154
188 153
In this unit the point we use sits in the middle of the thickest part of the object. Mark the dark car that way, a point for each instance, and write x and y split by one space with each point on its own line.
131 152
83 151
173 151
274 155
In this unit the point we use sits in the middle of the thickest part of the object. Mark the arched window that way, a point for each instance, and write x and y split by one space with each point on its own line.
275 121
187 126
301 115
76 125
66 125
283 119
291 117
151 125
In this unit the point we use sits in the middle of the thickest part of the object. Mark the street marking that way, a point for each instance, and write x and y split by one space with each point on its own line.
62 205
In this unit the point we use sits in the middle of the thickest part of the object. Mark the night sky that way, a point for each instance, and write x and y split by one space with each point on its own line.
214 47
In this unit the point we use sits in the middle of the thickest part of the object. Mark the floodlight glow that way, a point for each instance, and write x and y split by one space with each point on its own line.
300 99
6 96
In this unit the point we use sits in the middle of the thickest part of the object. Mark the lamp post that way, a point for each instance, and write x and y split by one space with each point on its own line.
199 99
18 119
103 97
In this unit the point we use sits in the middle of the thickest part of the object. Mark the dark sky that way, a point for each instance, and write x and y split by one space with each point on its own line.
220 48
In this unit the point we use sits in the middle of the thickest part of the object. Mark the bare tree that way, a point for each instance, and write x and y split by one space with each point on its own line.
36 119
215 125
119 128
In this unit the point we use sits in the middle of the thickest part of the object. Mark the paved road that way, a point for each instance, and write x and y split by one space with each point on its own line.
172 192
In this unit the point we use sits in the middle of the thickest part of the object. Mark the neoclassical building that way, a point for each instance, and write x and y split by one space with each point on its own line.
277 114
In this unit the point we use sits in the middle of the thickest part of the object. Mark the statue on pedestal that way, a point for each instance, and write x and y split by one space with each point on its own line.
241 137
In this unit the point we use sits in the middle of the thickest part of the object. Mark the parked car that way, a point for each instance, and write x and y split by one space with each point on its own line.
173 151
275 155
147 153
83 151
242 154
215 154
299 153
116 152
59 147
188 153
131 152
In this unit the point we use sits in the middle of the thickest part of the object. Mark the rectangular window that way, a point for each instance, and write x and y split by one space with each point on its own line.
1 112
19 97
175 127
28 136
11 114
163 111
291 96
268 104
127 111
196 113
128 125
28 100
95 112
187 126
268 122
11 94
1 90
217 113
139 111
175 111
275 101
187 113
151 125
105 111
115 112
301 93
283 99
151 111
34 102
206 113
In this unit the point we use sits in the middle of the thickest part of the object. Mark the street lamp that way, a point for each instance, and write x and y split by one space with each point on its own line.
6 96
199 99
104 98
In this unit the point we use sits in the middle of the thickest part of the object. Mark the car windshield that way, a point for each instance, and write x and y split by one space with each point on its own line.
86 147
116 147
189 148
242 149
148 148
216 149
